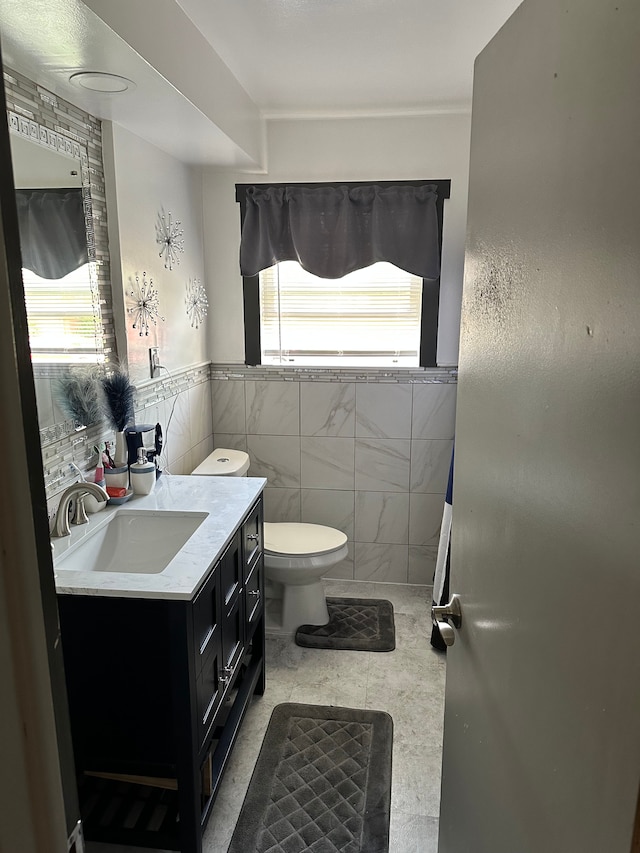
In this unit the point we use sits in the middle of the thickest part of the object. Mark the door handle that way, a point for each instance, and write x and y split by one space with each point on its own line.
451 612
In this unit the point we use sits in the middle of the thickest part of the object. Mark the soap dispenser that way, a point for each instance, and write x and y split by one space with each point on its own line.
143 474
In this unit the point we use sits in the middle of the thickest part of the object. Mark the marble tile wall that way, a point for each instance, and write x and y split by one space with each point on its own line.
182 404
370 458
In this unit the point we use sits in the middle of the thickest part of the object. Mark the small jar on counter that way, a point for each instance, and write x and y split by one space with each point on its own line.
143 474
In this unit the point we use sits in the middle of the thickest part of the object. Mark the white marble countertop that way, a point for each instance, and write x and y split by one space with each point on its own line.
226 500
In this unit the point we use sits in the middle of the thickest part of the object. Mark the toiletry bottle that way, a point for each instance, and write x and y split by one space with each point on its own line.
99 475
91 503
143 474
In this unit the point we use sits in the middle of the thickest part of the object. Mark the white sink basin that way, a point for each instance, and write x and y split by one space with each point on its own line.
133 541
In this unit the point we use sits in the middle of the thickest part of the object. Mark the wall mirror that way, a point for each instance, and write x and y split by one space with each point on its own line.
56 151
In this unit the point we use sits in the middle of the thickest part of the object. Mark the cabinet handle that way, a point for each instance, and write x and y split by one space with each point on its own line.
253 537
226 676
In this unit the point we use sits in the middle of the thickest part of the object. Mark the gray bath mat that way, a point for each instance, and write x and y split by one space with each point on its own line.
359 624
322 783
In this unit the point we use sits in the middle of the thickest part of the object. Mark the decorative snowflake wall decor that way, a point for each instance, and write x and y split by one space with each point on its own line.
147 306
169 238
196 301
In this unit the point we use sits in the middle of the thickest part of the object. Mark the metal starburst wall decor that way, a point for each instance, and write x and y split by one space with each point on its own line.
169 237
146 309
197 302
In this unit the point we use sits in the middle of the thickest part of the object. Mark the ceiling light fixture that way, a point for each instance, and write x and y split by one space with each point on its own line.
102 81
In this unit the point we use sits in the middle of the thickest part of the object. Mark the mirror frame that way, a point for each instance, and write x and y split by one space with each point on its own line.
45 119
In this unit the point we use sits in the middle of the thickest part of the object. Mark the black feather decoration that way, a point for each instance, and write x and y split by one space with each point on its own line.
118 398
78 395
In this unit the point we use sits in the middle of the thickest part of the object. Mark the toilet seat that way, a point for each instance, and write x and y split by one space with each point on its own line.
296 539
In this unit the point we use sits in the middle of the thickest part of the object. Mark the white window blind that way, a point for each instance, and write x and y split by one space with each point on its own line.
369 317
63 317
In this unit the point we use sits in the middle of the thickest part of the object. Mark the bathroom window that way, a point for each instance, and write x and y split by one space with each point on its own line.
370 317
352 309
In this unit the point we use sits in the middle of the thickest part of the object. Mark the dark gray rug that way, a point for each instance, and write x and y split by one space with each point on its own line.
359 624
322 783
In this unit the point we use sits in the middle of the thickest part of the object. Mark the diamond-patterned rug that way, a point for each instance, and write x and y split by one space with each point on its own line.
322 783
359 624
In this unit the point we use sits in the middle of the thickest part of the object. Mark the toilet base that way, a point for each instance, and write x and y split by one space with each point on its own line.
303 604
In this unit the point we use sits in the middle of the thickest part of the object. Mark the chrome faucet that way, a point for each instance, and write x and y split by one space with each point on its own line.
61 526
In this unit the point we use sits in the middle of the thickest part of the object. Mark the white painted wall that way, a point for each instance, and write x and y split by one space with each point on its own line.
141 180
384 149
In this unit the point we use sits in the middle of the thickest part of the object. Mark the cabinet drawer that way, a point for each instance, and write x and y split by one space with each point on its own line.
209 692
252 537
254 596
206 616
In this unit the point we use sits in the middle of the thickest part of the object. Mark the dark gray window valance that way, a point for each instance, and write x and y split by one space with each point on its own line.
53 237
332 230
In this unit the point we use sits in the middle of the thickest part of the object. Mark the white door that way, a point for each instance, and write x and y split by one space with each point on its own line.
542 719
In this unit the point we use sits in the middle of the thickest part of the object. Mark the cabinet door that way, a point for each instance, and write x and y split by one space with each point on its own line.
210 686
206 617
207 643
230 567
232 605
233 635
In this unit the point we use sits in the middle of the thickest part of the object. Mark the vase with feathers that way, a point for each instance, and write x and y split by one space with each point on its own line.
118 401
77 393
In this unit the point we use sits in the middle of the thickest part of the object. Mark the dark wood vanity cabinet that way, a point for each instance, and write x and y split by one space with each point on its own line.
157 692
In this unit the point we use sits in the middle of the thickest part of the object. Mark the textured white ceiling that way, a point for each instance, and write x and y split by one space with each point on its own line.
332 56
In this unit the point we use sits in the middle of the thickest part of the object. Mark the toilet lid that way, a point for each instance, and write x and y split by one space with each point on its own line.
290 538
223 462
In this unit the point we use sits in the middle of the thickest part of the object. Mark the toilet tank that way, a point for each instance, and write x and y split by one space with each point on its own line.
224 462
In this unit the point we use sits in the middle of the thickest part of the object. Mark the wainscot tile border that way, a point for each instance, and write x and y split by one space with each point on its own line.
414 375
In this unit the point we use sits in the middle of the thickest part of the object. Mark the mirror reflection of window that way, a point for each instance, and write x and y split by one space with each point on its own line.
61 285
64 327
62 305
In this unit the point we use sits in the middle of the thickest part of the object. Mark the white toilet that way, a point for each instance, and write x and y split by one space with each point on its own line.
296 555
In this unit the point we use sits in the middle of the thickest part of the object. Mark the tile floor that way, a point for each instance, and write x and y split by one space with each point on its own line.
408 683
